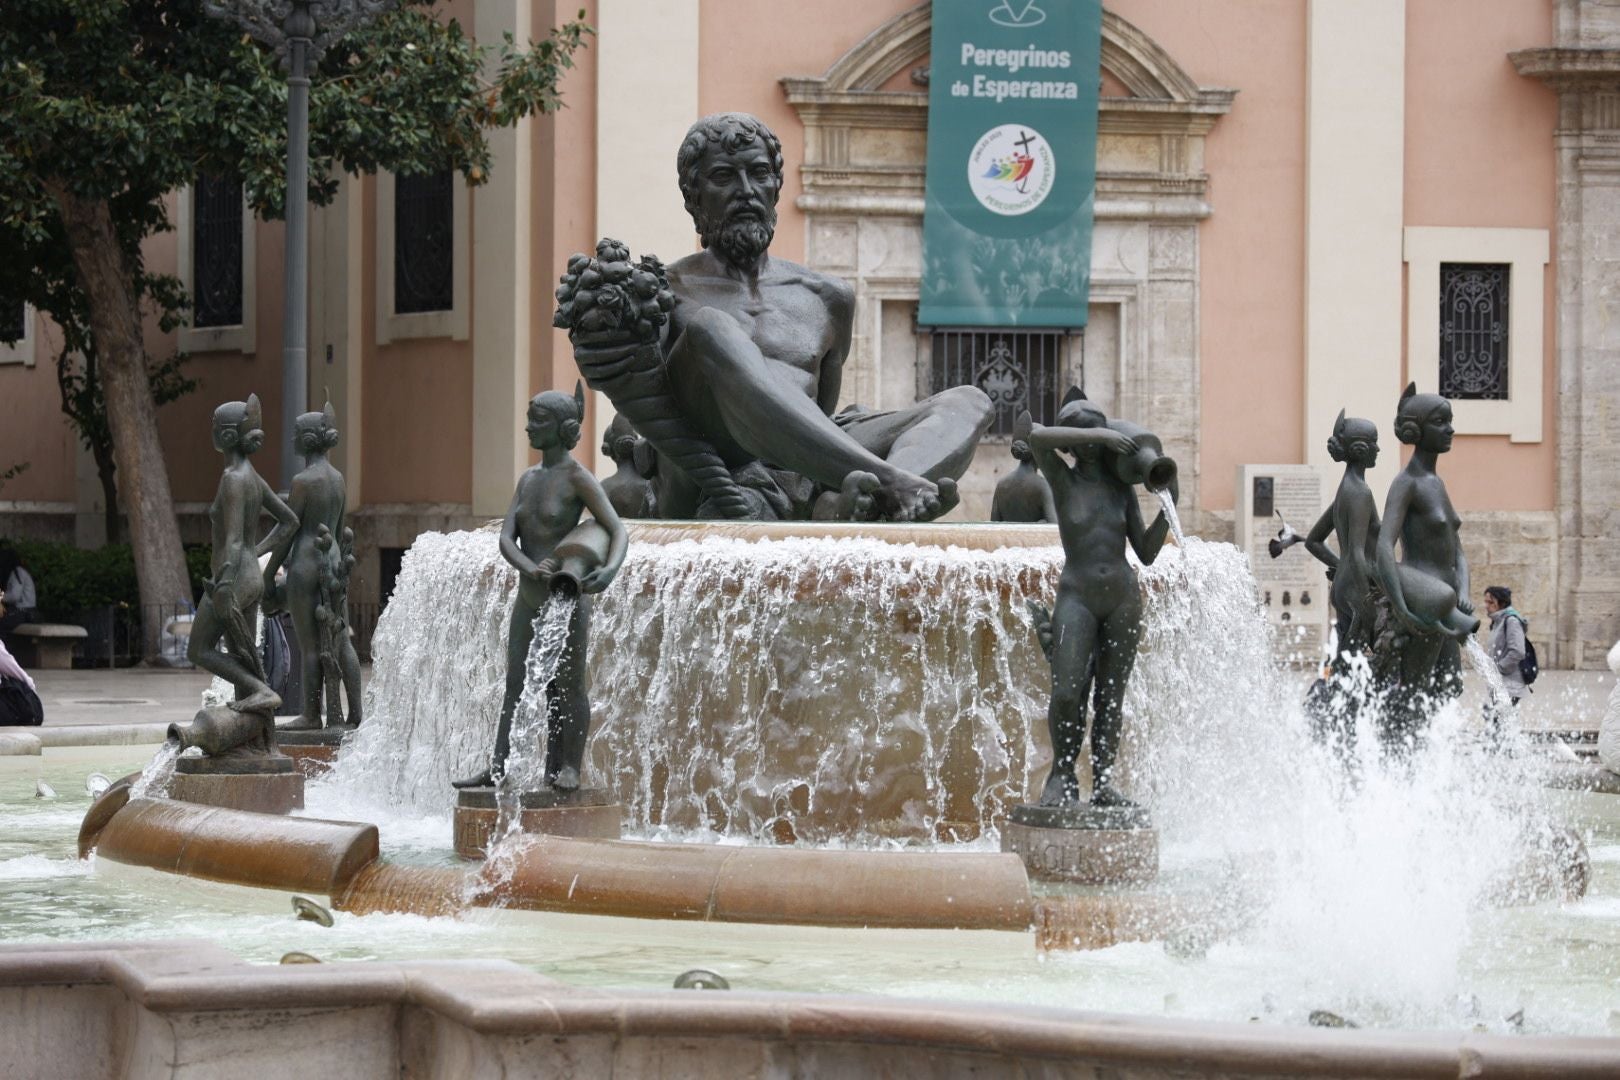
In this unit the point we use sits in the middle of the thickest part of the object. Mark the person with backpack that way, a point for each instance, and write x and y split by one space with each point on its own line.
1509 644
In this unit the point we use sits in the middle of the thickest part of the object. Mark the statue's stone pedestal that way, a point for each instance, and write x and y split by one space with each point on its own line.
313 752
585 814
264 784
1084 844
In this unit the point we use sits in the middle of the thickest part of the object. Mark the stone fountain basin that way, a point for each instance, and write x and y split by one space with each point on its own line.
186 1008
472 1032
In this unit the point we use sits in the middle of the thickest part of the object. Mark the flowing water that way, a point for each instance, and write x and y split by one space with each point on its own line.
526 762
840 688
1170 515
156 776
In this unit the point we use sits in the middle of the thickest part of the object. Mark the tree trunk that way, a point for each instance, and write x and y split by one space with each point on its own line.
115 321
101 451
105 467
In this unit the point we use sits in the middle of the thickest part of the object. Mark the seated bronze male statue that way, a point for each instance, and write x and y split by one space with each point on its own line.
734 376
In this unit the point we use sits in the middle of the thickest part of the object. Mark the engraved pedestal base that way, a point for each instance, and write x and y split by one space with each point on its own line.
585 813
313 751
1087 845
263 784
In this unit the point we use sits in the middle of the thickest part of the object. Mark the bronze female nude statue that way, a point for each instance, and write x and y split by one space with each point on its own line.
1428 588
545 510
230 603
1098 615
1023 494
318 558
1353 518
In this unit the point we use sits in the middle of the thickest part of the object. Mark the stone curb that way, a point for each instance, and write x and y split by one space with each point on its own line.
439 1018
19 744
102 734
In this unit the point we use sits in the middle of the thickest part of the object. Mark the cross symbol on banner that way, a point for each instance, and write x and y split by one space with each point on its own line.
1023 145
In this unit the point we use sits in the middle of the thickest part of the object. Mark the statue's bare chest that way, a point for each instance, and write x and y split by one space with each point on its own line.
548 507
788 321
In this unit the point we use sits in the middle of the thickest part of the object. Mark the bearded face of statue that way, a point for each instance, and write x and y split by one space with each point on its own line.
736 211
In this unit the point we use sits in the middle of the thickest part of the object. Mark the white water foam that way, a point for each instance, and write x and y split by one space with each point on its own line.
41 868
869 693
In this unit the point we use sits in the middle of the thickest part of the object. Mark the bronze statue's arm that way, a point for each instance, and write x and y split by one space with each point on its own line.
842 308
509 545
1389 571
1316 542
1362 523
1046 460
1465 602
1146 542
597 502
286 520
296 498
1069 438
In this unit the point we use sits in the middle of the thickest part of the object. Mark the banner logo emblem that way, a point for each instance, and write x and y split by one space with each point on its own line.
1011 169
1007 14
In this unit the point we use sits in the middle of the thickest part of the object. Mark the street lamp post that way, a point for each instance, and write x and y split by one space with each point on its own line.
299 31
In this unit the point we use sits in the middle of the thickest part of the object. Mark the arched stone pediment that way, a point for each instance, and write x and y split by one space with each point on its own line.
866 145
1145 69
884 53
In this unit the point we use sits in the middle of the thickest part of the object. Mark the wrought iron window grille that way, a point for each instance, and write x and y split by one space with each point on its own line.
1017 369
216 238
1474 331
424 238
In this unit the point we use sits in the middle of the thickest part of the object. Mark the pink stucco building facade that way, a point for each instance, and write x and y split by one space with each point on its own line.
1281 186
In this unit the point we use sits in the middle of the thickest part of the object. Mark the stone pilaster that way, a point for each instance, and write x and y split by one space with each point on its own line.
1583 67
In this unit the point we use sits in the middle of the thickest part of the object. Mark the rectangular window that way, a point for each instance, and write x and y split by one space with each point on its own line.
1018 369
424 243
13 321
1474 331
216 238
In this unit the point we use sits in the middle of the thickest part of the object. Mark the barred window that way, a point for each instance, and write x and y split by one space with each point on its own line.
424 237
13 320
216 238
1474 331
1018 369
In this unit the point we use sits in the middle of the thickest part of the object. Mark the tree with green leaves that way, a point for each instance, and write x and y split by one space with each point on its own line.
111 104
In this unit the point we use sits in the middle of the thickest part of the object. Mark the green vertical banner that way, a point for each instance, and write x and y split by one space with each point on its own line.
1012 162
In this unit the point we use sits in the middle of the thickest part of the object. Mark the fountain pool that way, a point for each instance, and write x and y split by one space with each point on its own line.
903 712
1555 961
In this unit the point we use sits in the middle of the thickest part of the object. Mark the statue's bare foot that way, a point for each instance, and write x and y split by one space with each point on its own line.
856 500
1108 795
1061 789
302 723
567 779
910 498
948 497
265 701
487 778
